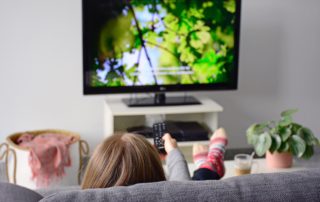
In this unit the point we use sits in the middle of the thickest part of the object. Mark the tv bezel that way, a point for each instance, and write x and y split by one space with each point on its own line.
232 85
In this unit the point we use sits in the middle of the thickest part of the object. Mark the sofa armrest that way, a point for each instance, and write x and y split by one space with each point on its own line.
14 193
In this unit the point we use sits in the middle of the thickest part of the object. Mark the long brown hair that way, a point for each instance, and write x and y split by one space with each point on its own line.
121 160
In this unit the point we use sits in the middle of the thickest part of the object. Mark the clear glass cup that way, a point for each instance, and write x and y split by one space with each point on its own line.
242 164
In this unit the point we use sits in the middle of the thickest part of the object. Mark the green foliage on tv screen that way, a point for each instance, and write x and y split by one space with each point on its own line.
148 42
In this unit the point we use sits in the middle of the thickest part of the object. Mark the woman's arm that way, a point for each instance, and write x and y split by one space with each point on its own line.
177 165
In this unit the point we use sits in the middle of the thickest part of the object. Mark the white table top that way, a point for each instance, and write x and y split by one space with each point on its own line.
259 166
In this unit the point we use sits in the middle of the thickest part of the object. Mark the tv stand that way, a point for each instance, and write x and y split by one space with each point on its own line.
160 99
118 117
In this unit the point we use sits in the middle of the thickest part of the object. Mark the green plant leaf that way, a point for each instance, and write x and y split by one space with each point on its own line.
307 135
297 145
284 133
263 144
284 147
251 129
256 128
288 112
286 117
308 152
285 121
253 133
295 128
276 143
252 138
273 131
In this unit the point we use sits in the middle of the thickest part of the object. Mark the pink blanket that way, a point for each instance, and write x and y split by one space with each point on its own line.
49 155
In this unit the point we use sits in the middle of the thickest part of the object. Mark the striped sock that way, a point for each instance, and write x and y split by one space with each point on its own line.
216 152
199 154
200 159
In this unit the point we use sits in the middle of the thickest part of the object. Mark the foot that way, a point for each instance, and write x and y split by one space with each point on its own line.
215 158
199 154
219 133
218 142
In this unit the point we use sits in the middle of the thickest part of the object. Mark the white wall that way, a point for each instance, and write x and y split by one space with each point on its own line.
279 66
41 68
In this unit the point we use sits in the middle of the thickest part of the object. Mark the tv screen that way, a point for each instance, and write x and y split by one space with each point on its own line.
160 45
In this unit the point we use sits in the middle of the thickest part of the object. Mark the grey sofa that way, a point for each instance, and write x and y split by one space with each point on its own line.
287 186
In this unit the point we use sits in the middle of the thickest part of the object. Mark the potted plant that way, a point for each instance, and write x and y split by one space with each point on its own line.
282 139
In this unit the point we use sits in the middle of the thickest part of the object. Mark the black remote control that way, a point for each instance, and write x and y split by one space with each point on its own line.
159 129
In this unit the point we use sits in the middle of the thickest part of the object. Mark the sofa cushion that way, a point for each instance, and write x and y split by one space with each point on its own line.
14 193
289 186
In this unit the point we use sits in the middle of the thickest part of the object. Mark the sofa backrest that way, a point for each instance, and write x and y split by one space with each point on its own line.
288 186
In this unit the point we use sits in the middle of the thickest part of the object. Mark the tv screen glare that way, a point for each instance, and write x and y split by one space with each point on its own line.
160 45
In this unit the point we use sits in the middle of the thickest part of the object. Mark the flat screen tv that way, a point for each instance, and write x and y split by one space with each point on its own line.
156 46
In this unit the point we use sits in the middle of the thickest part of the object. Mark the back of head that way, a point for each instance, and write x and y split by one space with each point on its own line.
122 160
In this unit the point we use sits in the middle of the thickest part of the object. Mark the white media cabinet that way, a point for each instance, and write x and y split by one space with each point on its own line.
118 117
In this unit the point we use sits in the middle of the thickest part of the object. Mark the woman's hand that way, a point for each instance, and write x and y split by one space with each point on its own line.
169 143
